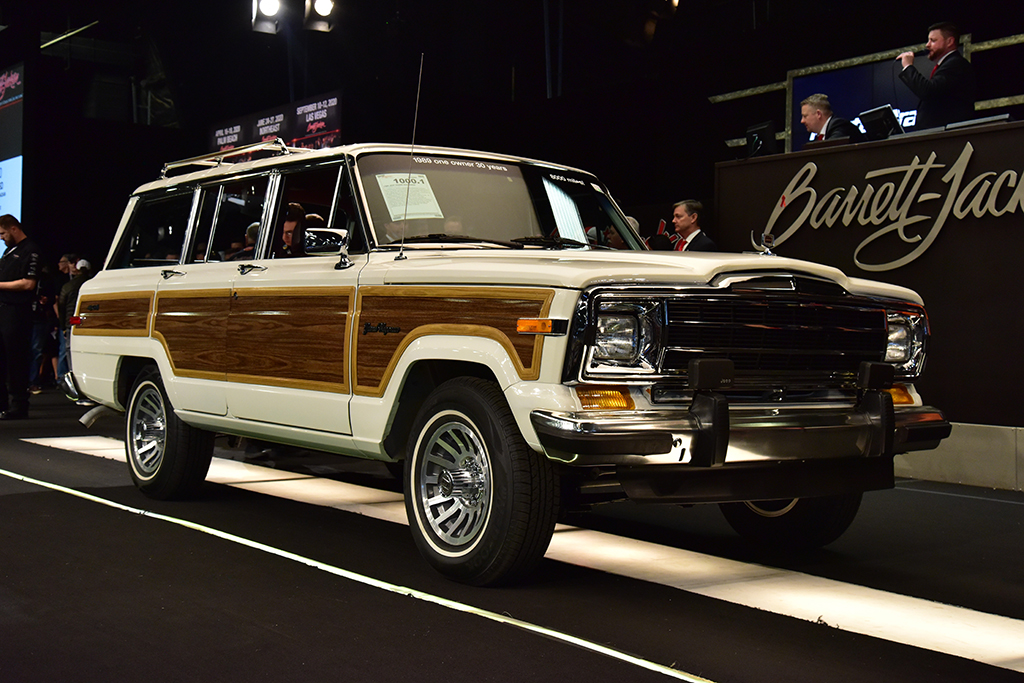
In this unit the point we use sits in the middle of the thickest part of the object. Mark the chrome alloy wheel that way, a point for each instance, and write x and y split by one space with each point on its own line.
455 484
148 431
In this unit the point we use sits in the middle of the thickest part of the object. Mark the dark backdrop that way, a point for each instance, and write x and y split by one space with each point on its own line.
619 87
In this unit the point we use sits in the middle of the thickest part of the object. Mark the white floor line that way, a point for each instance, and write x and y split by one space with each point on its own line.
987 638
381 585
987 499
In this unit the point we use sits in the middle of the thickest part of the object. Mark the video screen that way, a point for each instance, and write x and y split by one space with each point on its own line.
855 89
11 117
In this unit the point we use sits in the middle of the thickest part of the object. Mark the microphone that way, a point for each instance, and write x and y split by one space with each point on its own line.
918 53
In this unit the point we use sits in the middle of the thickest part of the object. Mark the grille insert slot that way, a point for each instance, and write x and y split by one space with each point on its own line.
774 339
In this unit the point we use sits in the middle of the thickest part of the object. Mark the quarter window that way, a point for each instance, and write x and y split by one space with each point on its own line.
156 232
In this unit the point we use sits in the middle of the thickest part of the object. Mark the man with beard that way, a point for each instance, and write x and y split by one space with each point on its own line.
948 95
19 274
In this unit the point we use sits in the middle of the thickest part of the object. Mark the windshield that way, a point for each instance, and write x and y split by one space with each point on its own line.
445 199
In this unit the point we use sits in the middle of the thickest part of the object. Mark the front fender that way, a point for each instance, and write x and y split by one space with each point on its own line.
372 416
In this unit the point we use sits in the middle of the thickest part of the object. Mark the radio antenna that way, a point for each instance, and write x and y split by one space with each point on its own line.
412 149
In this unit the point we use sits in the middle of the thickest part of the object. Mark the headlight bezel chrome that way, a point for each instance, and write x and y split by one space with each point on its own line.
626 336
907 339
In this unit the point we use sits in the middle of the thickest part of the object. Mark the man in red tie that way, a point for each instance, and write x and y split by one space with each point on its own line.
686 220
816 115
948 94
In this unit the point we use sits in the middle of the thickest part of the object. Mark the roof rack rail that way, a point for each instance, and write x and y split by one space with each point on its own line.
277 146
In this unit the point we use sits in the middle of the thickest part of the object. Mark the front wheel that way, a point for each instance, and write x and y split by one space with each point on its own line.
168 458
794 524
481 503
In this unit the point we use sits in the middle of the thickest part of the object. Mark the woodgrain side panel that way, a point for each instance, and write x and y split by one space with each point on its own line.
124 314
193 328
389 318
289 337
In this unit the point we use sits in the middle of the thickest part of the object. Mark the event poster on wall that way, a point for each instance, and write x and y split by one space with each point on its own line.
312 123
11 117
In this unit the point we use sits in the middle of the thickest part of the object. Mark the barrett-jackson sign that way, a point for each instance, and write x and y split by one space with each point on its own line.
887 203
892 198
10 84
938 213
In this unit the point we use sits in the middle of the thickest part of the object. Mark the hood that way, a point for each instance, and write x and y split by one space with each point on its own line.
583 269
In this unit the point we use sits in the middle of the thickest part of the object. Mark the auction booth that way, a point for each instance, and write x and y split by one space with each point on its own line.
936 211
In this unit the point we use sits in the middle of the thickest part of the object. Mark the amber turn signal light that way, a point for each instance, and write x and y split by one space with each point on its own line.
900 395
605 398
535 326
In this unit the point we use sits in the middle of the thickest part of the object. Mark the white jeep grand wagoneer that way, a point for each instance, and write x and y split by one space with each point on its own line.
466 313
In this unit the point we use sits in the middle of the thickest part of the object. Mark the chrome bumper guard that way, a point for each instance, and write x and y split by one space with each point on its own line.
766 434
747 453
793 455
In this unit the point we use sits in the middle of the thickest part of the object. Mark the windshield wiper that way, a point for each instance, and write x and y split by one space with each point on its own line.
463 239
551 241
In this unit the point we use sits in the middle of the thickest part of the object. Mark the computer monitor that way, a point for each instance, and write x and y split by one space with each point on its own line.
881 122
761 139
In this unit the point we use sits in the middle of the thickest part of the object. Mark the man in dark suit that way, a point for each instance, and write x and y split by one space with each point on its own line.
817 117
949 94
686 219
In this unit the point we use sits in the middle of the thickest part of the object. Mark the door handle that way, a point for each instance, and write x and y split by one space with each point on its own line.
247 268
168 274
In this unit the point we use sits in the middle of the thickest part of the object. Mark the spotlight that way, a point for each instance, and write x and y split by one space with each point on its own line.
264 15
319 15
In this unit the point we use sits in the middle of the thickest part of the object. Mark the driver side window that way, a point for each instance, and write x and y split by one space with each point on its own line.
317 215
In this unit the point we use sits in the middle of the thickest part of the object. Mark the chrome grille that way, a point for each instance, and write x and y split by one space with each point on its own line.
772 338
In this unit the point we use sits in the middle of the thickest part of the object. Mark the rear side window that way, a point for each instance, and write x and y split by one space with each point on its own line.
156 232
229 220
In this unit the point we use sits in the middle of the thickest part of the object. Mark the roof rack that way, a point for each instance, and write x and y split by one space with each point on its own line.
277 146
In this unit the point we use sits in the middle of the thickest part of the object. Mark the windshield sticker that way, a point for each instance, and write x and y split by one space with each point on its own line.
563 179
408 196
462 163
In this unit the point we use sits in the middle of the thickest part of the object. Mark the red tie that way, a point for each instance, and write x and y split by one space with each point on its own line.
934 69
819 136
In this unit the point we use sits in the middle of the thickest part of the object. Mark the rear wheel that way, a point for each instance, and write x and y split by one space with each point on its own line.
797 523
482 504
167 458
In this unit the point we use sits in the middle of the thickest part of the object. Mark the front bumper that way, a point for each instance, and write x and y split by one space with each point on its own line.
737 455
661 436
